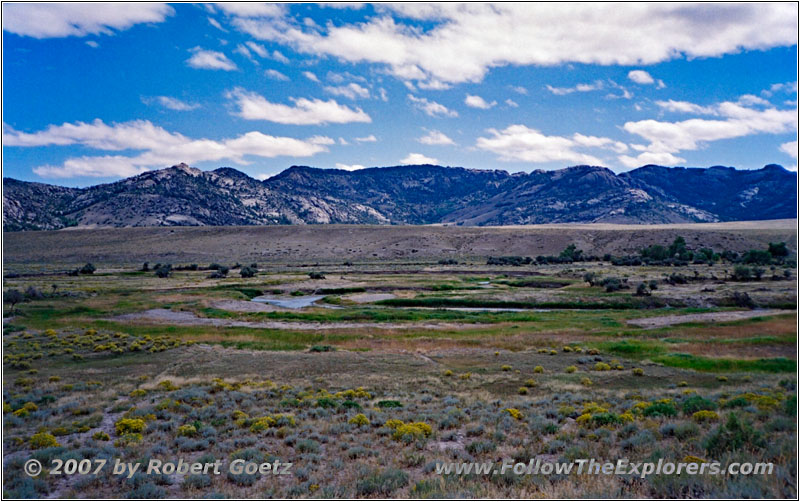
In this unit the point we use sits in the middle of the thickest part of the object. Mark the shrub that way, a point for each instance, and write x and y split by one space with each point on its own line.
138 393
538 369
697 403
448 373
381 483
522 391
601 367
514 412
316 275
505 367
638 371
571 369
530 382
87 269
733 435
43 440
586 381
100 436
389 404
660 409
129 426
247 272
359 420
187 430
705 416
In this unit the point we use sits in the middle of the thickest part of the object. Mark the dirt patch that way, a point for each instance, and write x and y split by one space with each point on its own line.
370 297
244 306
669 320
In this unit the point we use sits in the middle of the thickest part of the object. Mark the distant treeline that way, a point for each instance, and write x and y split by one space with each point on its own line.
676 254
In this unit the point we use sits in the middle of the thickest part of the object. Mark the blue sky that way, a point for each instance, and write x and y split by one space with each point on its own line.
94 93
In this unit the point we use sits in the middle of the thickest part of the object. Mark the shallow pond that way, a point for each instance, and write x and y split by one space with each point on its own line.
295 302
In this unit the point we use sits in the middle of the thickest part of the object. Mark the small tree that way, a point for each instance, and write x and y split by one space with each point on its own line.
87 269
316 275
13 297
146 267
247 272
163 271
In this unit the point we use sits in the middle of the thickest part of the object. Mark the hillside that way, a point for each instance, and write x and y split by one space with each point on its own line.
426 194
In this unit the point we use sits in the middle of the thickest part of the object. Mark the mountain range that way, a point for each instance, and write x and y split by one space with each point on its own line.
421 194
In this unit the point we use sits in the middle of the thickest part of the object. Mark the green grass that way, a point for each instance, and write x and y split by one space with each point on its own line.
481 303
700 363
637 349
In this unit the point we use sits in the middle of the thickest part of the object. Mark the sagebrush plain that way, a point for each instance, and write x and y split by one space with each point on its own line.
365 355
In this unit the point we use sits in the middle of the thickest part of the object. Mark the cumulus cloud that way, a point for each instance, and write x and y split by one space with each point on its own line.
157 146
431 108
417 159
304 111
367 139
519 143
512 103
641 77
435 137
478 102
210 60
465 40
658 158
790 149
55 20
735 120
350 91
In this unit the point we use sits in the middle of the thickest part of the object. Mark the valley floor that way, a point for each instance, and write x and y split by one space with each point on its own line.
397 364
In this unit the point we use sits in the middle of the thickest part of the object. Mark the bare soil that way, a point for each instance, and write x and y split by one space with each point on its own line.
669 320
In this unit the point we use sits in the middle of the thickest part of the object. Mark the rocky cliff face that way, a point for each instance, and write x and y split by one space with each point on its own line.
181 195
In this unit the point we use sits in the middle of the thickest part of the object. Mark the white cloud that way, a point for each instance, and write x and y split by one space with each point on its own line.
279 57
432 108
276 75
159 147
751 100
563 91
351 91
251 9
790 149
641 77
436 138
349 167
172 103
518 143
257 48
788 87
210 60
310 76
686 107
465 40
598 142
244 51
518 89
367 139
417 159
512 103
213 22
735 121
661 159
478 102
51 20
304 111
